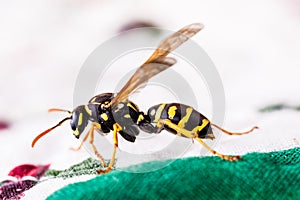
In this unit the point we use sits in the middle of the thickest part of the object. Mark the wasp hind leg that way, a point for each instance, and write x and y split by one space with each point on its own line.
190 134
234 133
116 128
225 157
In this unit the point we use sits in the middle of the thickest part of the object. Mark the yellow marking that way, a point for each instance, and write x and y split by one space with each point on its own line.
87 109
127 116
158 112
183 121
197 129
104 116
106 102
76 132
80 119
152 112
172 112
94 99
97 125
180 131
120 106
131 106
141 117
96 103
159 124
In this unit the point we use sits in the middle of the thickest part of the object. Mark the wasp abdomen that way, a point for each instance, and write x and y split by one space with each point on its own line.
183 117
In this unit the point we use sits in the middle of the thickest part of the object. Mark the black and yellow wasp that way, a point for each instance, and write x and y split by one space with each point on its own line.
114 112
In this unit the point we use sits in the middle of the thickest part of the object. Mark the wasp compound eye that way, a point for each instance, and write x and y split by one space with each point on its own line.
73 126
73 121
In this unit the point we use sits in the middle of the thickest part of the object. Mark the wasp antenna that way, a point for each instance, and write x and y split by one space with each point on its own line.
47 131
234 133
58 110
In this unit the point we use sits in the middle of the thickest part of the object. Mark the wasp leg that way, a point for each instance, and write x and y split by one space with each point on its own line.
190 134
234 133
149 128
116 128
99 156
81 144
225 157
146 126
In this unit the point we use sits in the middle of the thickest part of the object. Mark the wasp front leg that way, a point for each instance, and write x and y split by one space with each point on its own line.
90 135
194 135
81 144
116 128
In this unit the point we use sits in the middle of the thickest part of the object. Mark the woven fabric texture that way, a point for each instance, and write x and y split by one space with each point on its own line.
274 175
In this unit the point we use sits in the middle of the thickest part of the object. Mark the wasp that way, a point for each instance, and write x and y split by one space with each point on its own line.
115 112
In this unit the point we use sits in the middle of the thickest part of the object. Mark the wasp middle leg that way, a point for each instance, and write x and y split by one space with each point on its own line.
116 128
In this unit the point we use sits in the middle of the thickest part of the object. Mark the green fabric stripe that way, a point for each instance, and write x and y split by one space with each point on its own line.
274 175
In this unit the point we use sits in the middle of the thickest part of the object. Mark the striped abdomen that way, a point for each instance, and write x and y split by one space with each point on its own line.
184 117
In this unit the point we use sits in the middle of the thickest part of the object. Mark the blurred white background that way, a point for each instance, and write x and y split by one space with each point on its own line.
255 46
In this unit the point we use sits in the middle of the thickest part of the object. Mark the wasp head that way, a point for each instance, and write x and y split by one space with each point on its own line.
79 121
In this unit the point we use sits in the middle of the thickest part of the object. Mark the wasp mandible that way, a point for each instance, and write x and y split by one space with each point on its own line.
115 112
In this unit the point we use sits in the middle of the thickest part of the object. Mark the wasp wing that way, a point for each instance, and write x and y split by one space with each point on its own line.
157 62
175 40
141 77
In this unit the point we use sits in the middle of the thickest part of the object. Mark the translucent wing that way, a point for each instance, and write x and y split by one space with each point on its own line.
141 77
175 40
157 62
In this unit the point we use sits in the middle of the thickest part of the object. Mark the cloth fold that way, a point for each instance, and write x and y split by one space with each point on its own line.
274 175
